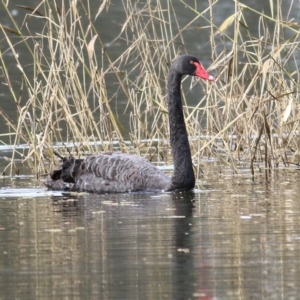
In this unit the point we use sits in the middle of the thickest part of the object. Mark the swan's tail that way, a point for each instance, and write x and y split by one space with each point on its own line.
64 177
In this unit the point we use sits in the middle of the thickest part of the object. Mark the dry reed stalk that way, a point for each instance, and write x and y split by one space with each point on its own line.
251 113
255 100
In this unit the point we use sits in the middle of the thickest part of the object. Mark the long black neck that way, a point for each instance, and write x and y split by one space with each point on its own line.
183 177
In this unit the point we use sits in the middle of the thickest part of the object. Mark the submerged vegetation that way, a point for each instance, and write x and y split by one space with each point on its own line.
67 94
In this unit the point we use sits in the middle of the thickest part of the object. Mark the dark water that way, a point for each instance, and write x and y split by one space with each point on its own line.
233 239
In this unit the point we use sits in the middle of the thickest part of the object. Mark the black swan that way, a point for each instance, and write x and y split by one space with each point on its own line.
118 172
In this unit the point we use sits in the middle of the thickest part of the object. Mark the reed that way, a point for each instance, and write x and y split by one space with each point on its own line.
248 117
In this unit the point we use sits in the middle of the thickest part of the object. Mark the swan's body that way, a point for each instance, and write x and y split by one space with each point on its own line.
119 172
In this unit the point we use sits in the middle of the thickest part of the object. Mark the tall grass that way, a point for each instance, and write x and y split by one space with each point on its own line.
249 116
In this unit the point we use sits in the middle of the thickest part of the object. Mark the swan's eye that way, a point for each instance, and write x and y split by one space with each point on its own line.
192 62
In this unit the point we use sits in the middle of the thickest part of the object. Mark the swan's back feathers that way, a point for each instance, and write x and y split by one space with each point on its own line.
108 173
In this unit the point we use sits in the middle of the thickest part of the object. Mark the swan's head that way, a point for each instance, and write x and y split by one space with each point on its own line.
190 65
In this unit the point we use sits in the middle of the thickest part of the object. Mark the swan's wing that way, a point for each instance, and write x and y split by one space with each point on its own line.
110 172
119 172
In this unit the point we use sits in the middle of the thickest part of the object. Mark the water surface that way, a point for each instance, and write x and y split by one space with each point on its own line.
233 239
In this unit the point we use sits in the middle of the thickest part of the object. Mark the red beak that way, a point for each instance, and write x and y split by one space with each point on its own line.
200 72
